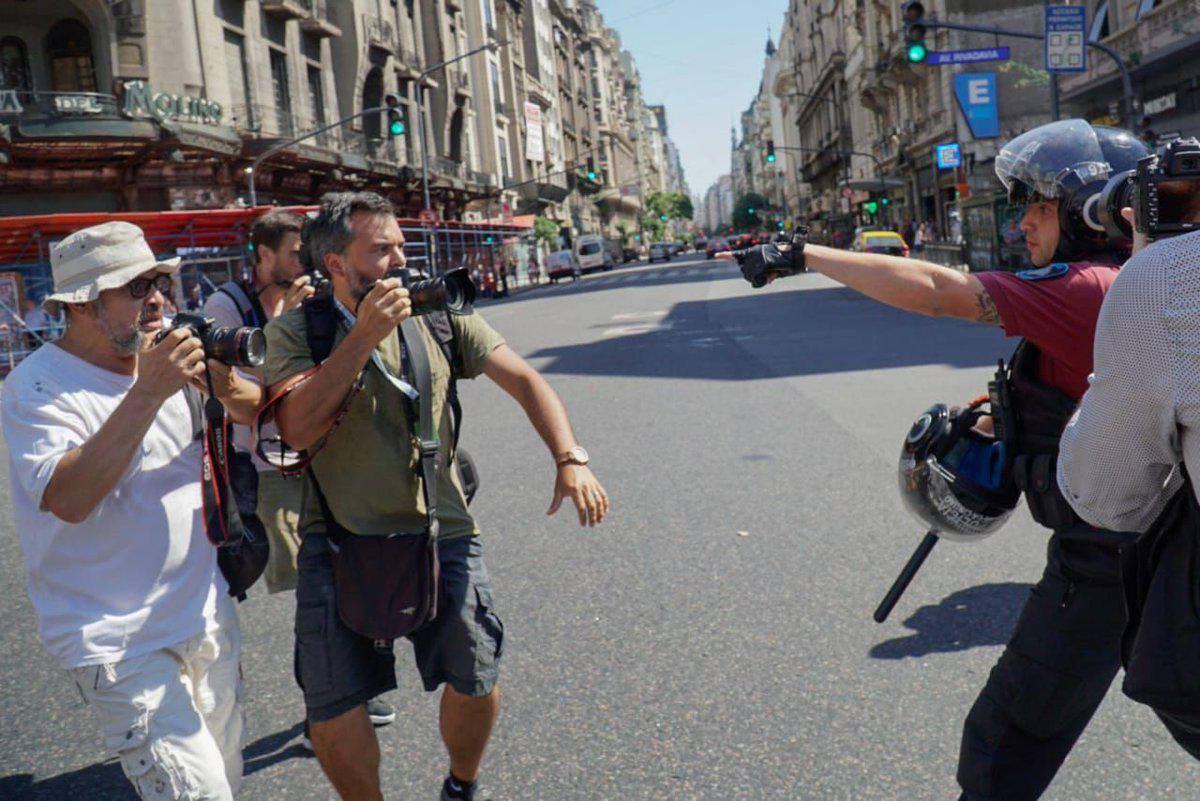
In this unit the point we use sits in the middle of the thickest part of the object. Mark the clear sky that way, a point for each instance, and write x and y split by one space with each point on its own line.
703 60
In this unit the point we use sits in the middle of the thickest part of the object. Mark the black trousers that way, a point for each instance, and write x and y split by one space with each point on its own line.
1054 673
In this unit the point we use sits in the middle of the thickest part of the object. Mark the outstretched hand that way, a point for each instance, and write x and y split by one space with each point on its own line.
762 264
579 484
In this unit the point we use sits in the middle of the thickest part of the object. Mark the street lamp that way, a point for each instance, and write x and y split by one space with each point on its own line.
490 46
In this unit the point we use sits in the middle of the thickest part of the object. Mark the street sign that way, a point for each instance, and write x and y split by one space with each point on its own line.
976 95
969 56
1066 39
948 157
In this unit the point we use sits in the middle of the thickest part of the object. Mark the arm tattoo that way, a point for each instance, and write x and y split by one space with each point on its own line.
987 309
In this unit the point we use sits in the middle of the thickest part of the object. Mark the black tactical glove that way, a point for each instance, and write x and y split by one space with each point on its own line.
760 262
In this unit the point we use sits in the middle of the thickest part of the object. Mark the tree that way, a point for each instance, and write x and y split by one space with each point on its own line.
743 218
672 205
546 230
623 230
654 228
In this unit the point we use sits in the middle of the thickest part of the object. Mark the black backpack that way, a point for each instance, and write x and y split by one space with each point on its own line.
320 330
1160 648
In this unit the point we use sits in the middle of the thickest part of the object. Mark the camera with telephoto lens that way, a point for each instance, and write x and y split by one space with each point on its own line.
237 347
1163 192
453 292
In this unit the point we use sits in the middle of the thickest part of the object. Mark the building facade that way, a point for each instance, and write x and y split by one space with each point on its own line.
125 105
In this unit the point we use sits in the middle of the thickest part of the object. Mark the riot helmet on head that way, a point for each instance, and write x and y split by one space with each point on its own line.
1069 161
953 478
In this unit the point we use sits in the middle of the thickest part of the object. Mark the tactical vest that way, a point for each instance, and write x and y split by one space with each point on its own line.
1039 413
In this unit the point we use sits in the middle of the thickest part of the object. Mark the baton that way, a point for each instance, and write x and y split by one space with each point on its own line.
906 576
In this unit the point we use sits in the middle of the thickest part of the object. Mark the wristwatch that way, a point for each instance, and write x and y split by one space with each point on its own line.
576 455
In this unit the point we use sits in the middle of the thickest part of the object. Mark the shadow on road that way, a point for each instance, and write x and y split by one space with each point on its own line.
807 332
970 618
104 781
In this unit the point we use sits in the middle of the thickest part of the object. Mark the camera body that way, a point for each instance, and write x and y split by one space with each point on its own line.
1161 192
453 292
237 347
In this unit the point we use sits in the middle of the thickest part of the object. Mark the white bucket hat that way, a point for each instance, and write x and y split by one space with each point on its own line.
105 256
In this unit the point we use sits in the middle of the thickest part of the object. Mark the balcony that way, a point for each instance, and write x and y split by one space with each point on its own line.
1155 32
318 22
460 81
481 178
379 33
285 9
502 108
448 168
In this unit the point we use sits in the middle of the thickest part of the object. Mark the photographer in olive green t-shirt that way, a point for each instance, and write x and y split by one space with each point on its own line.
368 472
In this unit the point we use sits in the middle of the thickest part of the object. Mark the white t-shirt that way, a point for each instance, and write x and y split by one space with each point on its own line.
225 312
139 574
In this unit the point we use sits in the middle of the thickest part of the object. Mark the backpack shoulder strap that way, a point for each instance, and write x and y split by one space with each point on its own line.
320 326
246 302
195 404
442 328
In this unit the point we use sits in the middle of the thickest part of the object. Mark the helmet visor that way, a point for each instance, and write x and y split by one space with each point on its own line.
1050 160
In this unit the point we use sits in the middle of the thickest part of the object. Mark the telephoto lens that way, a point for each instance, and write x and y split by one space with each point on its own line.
453 292
244 346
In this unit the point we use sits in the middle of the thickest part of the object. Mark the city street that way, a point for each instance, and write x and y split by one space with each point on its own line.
711 640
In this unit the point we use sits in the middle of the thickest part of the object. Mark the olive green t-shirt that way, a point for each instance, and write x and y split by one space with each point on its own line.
368 469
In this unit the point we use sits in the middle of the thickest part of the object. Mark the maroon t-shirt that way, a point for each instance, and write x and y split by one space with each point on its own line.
1055 308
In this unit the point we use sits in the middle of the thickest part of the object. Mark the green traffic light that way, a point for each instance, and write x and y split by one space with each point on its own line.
917 52
591 176
751 211
871 207
396 128
771 158
663 217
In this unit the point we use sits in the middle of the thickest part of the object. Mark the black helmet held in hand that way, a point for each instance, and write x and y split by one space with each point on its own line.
953 478
1069 161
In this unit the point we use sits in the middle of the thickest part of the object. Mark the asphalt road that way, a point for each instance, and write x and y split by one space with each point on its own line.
713 639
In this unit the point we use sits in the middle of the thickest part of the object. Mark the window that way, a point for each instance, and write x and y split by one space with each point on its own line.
69 50
239 90
489 16
316 102
280 92
1146 6
502 148
1099 23
497 92
14 65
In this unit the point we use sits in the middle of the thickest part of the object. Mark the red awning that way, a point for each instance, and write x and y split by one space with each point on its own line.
27 239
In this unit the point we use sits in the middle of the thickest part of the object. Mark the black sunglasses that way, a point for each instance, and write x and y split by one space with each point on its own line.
141 287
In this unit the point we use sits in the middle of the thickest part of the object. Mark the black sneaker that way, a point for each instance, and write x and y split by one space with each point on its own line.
380 712
479 794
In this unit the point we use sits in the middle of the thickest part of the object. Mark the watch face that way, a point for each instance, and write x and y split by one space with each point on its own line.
578 455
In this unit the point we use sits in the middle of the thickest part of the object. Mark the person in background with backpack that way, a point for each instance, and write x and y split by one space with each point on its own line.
367 390
279 285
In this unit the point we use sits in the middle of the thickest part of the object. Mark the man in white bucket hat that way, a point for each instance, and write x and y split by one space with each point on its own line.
105 471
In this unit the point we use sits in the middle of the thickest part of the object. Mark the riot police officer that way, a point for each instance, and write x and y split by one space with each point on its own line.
1064 651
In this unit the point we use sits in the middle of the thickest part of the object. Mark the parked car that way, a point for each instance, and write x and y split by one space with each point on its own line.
888 242
562 263
700 244
628 255
677 248
716 245
592 254
660 250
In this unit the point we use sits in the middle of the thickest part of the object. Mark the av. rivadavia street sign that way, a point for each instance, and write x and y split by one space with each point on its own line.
976 56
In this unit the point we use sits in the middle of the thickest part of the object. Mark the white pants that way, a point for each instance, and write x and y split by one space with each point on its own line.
174 716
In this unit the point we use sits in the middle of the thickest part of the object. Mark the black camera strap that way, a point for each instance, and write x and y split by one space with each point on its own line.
425 434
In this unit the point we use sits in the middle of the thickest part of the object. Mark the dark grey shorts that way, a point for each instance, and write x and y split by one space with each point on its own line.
339 669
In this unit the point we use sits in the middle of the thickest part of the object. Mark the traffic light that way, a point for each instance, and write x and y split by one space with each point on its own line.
884 201
395 120
870 207
662 217
751 210
591 165
770 151
914 32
